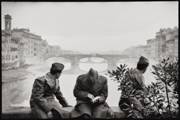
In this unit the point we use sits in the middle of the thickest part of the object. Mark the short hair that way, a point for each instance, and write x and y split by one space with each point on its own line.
56 68
142 63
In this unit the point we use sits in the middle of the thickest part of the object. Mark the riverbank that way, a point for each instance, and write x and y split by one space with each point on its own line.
12 86
15 74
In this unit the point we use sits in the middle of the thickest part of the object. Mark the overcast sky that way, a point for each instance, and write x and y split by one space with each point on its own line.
92 26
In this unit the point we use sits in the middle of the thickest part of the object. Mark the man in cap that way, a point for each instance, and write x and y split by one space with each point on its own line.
91 91
42 100
134 91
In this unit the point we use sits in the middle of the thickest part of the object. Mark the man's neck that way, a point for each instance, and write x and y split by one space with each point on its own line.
141 71
52 76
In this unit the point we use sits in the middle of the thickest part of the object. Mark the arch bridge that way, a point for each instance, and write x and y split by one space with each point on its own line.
111 59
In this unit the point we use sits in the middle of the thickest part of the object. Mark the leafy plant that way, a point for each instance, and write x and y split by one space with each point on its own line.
162 94
166 73
156 96
119 74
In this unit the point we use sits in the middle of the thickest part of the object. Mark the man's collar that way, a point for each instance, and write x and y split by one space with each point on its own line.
140 71
50 80
49 76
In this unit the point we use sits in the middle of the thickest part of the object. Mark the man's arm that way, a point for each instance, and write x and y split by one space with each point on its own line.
104 93
60 97
37 94
79 93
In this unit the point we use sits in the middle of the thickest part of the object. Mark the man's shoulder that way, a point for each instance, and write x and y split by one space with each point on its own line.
81 77
41 78
102 78
133 71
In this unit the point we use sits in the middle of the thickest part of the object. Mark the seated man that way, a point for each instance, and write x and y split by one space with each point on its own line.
134 91
91 91
42 99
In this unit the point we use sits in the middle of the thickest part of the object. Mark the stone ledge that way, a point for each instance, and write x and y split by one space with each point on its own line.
25 112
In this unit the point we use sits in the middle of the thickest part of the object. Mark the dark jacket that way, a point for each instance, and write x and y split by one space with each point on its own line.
84 106
44 90
83 87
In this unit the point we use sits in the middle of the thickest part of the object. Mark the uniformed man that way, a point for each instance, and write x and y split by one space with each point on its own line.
91 91
134 91
44 90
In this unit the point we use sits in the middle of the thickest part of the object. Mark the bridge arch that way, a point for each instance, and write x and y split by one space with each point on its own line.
75 60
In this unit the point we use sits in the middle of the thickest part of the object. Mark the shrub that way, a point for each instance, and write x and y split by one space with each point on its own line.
166 74
162 94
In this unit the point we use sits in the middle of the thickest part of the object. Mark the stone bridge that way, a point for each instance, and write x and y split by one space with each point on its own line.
110 59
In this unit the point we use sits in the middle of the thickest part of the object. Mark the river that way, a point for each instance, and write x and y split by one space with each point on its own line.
18 93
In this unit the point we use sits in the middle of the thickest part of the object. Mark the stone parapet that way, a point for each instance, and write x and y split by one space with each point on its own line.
25 112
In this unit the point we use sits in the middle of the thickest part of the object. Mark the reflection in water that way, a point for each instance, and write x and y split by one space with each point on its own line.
97 59
20 94
84 60
98 66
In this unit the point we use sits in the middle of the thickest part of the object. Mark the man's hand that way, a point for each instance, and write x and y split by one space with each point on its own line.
49 114
96 99
90 96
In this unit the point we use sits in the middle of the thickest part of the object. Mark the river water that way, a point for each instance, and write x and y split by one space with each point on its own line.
18 93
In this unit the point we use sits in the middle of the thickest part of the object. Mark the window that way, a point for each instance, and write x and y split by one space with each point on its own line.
13 49
3 58
14 40
8 57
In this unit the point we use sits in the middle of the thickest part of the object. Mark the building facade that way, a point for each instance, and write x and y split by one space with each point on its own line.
31 45
165 44
44 49
54 51
10 56
167 40
20 46
137 51
172 42
152 47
